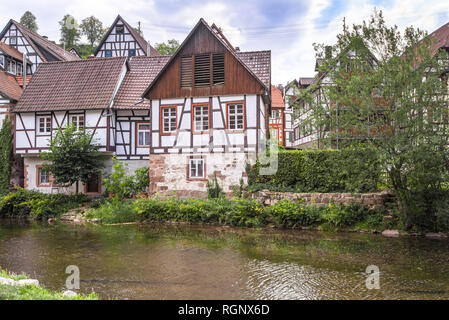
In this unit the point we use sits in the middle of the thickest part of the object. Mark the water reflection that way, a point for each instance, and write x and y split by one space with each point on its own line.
166 262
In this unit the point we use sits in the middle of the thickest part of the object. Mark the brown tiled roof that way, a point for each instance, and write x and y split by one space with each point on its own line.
142 42
12 52
142 71
276 97
72 85
440 37
19 79
37 41
9 86
259 62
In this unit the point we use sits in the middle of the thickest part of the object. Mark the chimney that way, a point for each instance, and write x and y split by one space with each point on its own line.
45 37
237 49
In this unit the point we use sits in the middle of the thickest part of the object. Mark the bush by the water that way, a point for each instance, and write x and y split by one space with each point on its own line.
345 170
239 212
22 203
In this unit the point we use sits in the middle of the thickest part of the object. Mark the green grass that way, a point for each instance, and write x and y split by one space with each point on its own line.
31 292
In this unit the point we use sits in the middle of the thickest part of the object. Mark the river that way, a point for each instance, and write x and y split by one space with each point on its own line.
186 262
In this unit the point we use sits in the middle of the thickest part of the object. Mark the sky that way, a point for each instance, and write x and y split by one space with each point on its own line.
286 27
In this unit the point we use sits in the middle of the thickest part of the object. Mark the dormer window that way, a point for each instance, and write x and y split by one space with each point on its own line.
120 29
19 68
2 62
206 70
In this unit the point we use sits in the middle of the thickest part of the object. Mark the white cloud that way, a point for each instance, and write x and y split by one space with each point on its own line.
246 23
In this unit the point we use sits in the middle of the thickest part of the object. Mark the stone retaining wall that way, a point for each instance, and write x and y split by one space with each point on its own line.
374 200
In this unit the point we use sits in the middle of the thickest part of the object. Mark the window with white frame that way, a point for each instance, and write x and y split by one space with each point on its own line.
235 117
11 68
201 118
12 36
2 61
78 120
168 119
44 123
275 114
143 134
19 69
196 168
43 176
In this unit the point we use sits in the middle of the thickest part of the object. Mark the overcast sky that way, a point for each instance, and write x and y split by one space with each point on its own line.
287 27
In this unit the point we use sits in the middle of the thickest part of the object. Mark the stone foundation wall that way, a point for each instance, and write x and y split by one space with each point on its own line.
169 175
374 200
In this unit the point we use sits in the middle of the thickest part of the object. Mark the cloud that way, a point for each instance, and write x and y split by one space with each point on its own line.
287 27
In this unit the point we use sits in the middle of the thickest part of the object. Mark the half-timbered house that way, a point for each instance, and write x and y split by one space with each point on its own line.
209 113
122 40
80 92
37 48
277 118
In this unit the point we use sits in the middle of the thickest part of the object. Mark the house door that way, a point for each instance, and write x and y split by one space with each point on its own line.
94 185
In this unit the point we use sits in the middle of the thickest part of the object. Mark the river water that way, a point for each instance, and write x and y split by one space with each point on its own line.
185 262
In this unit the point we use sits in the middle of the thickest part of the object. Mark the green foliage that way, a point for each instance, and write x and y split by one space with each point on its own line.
84 50
168 48
70 33
73 157
291 214
141 180
92 28
29 21
23 203
346 170
214 191
114 211
6 138
30 292
118 182
122 185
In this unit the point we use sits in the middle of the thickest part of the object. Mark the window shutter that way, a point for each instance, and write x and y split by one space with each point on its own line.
202 70
186 72
218 68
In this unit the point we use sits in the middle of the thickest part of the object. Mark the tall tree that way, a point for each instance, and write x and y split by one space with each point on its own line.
167 48
29 20
388 90
70 33
92 28
73 157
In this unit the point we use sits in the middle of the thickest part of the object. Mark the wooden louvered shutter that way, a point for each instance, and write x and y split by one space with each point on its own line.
218 67
202 70
186 72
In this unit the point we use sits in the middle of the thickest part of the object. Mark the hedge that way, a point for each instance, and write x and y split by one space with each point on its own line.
345 170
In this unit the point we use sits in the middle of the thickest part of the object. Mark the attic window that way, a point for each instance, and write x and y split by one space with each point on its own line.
186 72
119 29
218 68
202 70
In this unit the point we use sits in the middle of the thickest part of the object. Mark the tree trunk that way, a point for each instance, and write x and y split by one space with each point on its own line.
77 187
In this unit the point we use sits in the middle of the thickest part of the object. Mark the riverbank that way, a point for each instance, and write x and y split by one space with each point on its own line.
21 287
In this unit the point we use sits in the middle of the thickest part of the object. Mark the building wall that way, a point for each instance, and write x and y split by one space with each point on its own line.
225 152
126 134
168 173
31 165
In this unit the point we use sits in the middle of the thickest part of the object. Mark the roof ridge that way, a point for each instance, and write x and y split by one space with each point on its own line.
84 60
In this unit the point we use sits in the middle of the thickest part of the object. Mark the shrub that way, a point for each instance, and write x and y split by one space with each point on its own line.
346 170
214 190
141 180
38 205
118 183
114 211
291 214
